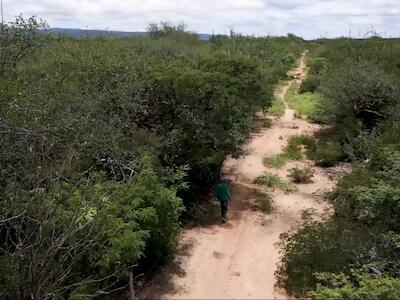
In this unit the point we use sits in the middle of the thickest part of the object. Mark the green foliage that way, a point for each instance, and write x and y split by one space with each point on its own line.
274 181
145 204
359 89
302 140
305 104
354 253
98 137
301 175
201 213
310 84
341 287
277 108
275 161
292 152
320 246
18 39
315 65
275 55
75 231
326 154
321 149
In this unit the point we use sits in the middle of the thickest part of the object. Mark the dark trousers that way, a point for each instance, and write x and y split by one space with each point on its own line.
224 208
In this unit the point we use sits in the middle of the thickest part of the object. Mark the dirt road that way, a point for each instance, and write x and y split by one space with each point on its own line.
238 259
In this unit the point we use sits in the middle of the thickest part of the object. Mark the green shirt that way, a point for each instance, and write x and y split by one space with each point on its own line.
223 193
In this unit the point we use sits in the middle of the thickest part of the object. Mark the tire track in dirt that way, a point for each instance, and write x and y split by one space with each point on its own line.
238 259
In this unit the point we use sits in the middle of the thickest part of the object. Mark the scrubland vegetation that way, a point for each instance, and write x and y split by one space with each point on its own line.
106 142
355 252
292 152
274 181
304 103
277 108
301 175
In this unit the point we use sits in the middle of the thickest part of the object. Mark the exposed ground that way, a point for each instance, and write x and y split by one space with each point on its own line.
238 259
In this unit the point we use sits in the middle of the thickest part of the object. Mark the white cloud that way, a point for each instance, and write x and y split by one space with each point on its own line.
309 18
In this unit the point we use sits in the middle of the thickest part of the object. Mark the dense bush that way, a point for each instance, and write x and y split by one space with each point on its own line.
310 84
326 154
341 287
320 246
354 254
315 66
58 238
360 89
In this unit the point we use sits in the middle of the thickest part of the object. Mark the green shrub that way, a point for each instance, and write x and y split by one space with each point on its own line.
301 175
320 246
309 85
274 181
339 286
292 152
302 140
92 231
316 65
360 89
275 161
326 154
269 180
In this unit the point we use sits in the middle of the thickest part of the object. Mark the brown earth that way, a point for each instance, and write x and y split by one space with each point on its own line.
238 259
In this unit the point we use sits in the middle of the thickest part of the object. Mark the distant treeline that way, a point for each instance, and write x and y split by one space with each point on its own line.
84 33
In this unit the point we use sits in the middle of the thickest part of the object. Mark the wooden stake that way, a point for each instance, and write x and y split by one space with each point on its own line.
131 290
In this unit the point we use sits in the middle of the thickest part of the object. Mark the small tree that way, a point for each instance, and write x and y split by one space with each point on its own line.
19 38
361 90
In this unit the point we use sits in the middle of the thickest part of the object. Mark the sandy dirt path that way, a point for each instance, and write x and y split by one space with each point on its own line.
237 260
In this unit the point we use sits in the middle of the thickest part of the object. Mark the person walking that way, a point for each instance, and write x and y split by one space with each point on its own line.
223 194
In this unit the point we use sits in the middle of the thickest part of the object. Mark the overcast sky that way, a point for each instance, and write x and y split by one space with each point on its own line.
308 18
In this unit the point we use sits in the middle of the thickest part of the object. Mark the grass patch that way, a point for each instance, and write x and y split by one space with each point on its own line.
277 108
291 152
275 161
264 202
301 140
274 181
306 105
